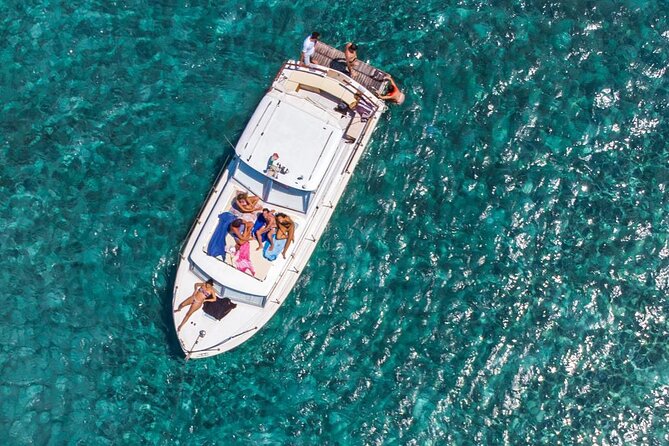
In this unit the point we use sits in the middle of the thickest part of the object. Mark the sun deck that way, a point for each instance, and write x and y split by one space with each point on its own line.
254 277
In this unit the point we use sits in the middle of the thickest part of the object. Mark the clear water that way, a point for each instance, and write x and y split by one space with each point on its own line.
497 272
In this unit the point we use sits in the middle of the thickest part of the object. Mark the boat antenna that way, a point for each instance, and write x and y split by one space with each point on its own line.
231 145
201 335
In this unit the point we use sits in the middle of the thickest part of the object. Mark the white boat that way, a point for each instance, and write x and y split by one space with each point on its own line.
319 121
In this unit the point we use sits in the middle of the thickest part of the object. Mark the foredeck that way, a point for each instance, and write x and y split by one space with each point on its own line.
368 76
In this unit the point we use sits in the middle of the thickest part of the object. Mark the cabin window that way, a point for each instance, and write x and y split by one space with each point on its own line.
272 192
250 179
288 197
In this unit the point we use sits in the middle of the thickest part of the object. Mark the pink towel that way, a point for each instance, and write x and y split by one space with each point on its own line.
243 259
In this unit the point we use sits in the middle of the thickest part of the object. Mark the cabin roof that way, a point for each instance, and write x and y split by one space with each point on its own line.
304 136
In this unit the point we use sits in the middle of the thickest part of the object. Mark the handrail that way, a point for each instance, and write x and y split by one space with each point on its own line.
357 145
313 220
204 204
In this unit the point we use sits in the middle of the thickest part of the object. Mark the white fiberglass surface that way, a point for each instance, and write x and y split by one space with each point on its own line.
272 192
304 142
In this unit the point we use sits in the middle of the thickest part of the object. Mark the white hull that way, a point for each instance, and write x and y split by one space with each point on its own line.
295 102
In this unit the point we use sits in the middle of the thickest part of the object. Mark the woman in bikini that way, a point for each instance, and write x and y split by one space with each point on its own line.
240 231
245 206
351 55
202 292
285 230
245 203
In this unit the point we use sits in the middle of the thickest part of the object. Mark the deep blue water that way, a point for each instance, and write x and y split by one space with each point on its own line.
496 273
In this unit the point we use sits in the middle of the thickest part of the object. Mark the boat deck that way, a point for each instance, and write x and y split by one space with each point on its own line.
319 121
368 76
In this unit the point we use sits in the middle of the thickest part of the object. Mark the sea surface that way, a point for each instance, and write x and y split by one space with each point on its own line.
496 273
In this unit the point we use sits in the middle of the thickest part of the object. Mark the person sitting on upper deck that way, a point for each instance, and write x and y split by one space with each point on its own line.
393 94
351 56
308 49
273 166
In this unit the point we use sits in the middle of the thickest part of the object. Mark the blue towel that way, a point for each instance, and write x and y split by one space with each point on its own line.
260 222
217 243
274 253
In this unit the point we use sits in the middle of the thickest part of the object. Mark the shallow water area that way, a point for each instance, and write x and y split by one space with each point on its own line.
496 272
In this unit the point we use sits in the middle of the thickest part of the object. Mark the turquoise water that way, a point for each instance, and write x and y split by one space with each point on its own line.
497 271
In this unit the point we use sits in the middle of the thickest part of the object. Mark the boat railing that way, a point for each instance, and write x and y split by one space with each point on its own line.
358 142
212 191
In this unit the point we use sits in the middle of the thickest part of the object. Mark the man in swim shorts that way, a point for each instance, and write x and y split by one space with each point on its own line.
269 227
309 48
351 55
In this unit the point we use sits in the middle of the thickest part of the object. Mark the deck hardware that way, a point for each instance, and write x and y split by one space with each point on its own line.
200 335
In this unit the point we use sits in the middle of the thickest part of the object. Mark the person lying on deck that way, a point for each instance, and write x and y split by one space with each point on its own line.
269 227
202 292
245 207
241 232
285 230
247 204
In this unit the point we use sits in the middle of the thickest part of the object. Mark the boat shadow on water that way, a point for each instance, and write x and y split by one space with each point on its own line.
167 326
166 297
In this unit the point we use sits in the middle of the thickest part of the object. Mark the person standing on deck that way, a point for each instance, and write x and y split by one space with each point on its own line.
308 49
351 55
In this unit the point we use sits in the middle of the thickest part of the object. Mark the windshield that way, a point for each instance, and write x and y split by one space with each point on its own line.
272 192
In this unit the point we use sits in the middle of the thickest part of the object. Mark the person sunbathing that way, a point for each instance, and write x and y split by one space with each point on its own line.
240 231
285 230
269 228
245 203
202 292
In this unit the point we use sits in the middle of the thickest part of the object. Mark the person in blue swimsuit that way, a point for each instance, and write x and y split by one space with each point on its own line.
202 292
